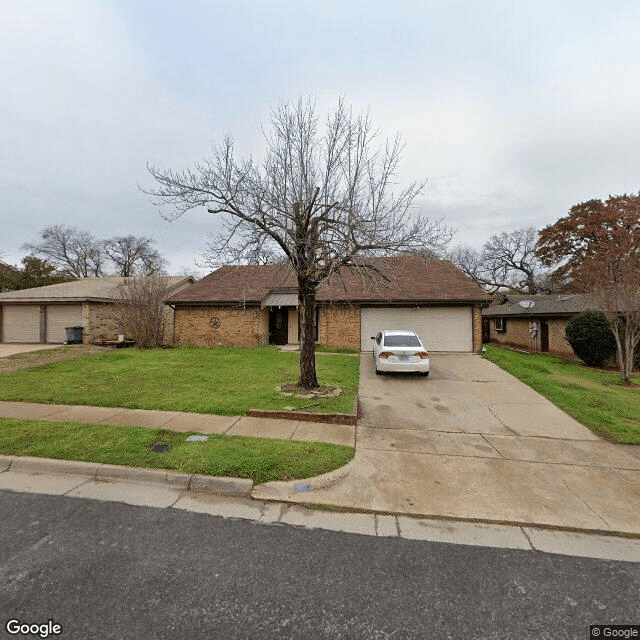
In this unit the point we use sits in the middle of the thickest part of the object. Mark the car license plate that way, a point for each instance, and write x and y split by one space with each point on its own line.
404 358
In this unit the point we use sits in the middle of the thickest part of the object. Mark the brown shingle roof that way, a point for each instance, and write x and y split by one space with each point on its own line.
412 279
543 305
93 289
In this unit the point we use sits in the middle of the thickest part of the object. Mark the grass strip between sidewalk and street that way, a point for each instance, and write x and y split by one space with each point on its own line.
216 380
597 399
260 459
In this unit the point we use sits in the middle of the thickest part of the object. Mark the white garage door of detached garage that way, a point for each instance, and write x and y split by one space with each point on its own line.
20 323
59 318
441 328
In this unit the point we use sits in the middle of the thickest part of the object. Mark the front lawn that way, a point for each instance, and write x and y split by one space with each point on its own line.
218 380
597 399
261 459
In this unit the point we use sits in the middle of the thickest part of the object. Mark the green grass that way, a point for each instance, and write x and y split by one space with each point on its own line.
320 348
218 380
597 399
260 459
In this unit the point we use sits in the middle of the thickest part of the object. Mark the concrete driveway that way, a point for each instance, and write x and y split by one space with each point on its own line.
473 442
13 349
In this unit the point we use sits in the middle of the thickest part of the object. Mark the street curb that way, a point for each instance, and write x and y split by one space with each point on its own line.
222 485
304 486
105 472
305 416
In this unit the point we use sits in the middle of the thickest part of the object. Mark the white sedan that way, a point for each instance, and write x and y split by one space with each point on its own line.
400 351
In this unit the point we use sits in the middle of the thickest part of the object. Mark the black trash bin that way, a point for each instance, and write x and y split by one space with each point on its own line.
74 335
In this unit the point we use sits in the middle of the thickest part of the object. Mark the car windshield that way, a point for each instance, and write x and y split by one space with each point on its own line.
406 340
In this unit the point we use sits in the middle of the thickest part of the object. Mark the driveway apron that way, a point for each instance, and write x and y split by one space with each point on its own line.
473 442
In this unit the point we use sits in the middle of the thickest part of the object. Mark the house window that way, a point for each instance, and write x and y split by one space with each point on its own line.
500 324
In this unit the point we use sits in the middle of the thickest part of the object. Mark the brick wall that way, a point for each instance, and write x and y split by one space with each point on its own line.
339 326
517 334
477 328
211 326
99 322
557 343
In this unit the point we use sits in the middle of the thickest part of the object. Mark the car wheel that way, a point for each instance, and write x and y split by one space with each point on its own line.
425 374
378 372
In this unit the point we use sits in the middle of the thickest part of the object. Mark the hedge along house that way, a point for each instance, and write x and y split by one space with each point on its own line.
534 322
251 305
41 314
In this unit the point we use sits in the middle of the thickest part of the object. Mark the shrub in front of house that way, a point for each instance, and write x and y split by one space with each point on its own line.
591 338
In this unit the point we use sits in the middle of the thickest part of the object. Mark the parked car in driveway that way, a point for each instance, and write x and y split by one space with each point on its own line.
400 351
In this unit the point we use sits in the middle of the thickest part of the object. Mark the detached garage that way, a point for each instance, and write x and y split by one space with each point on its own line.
42 314
252 305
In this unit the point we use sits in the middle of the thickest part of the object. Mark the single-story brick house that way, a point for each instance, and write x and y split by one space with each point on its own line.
510 322
41 314
251 305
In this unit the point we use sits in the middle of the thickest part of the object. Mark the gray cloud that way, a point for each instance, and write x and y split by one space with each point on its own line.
512 112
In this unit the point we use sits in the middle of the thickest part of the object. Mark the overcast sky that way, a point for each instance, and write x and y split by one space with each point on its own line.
513 111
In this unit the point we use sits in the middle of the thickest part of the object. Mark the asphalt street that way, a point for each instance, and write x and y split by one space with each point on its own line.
110 570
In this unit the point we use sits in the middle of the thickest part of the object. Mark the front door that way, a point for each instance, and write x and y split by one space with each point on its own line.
278 326
544 336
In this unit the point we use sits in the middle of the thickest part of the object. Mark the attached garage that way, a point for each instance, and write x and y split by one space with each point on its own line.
21 323
59 317
430 296
42 314
441 328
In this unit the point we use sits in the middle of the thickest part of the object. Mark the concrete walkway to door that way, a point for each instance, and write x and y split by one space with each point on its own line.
472 442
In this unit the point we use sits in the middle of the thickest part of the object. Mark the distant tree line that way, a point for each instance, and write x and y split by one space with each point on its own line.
63 253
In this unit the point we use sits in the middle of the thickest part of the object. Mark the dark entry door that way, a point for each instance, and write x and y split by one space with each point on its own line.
544 336
278 326
486 331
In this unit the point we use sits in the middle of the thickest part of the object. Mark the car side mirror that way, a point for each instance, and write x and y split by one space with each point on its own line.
373 337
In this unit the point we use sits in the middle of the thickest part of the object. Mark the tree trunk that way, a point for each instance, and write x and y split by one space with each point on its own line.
628 354
619 349
306 318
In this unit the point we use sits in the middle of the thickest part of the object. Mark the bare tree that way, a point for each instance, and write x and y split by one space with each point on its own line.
611 279
80 254
133 255
140 311
323 200
506 261
73 252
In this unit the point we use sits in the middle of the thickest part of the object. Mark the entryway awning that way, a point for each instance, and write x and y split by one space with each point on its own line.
280 299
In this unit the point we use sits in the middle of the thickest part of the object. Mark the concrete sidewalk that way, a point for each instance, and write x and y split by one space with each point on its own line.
179 421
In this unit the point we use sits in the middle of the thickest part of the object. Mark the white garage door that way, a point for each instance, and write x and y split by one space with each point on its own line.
441 328
20 323
60 317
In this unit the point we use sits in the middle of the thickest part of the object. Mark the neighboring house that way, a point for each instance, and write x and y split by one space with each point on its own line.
41 314
533 322
250 305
